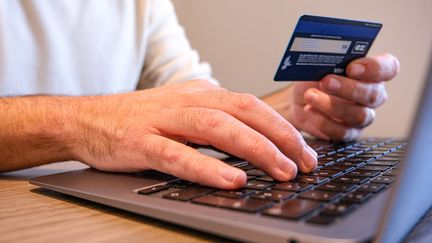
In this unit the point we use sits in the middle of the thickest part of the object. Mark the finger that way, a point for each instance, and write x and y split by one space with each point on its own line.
299 88
262 118
367 94
353 115
321 126
374 69
174 158
209 126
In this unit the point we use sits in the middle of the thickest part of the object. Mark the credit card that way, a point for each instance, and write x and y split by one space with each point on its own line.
323 45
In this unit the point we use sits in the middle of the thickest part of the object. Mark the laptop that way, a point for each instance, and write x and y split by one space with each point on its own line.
368 189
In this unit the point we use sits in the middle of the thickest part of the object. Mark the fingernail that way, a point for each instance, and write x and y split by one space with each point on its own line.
286 165
309 159
333 85
233 175
357 69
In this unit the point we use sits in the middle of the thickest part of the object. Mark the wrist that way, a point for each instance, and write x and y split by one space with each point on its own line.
35 130
55 126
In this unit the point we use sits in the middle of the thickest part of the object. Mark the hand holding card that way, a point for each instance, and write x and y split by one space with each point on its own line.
322 45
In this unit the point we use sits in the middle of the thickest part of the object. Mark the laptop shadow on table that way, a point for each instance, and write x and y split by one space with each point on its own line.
130 216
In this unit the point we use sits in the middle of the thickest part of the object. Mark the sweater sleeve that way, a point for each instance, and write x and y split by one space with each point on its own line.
169 57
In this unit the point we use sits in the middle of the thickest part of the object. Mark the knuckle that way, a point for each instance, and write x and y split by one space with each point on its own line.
193 169
373 96
210 119
247 102
357 91
169 155
291 133
256 145
377 95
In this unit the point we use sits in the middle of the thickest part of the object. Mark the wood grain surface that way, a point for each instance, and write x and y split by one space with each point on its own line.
32 214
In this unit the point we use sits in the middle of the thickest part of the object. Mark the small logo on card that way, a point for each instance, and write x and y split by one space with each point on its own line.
287 63
360 47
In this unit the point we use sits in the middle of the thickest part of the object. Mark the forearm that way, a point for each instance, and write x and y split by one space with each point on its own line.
35 130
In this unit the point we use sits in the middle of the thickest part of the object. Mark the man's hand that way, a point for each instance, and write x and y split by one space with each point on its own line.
337 107
148 130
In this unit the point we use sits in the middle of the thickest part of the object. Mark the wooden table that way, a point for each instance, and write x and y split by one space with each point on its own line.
32 214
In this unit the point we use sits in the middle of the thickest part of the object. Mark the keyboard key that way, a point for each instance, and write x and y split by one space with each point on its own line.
257 185
181 184
392 173
274 195
265 178
351 179
338 187
371 187
326 173
364 173
338 209
374 167
353 151
365 157
373 153
292 209
385 162
397 167
325 160
241 193
357 197
321 219
234 161
319 195
332 152
246 166
246 205
311 179
189 193
384 179
153 189
338 157
336 167
351 163
356 160
292 186
391 157
255 172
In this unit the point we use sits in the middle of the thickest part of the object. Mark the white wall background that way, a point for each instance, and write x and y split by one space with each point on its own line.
245 39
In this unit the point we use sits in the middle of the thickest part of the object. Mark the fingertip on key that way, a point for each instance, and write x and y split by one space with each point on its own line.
309 159
312 151
233 177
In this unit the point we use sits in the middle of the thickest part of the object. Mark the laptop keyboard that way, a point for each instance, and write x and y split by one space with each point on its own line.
348 175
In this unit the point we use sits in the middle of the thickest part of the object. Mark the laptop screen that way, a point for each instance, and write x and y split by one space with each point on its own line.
412 196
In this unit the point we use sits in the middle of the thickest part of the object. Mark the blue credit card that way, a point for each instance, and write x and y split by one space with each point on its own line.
322 45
